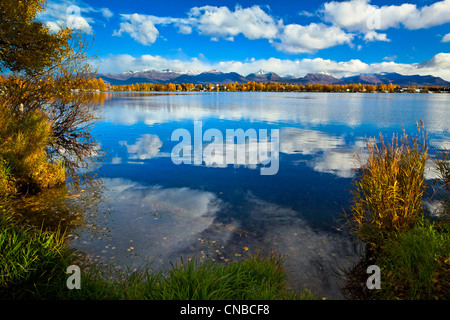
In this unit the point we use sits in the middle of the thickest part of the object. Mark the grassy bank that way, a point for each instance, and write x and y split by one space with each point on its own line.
32 261
416 264
411 248
256 278
33 265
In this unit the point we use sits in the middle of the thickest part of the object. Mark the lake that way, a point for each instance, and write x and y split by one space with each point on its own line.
150 209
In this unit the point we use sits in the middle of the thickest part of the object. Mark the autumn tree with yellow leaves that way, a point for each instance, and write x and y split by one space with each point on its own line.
44 74
258 87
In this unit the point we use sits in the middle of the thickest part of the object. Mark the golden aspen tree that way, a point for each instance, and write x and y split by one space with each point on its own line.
46 70
101 85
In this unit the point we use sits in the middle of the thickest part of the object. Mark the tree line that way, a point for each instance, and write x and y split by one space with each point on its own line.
256 86
267 87
98 84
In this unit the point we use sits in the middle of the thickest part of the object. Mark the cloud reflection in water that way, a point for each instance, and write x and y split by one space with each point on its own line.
157 223
166 223
146 147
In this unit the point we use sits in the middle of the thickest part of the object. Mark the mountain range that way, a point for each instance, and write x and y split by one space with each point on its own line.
217 77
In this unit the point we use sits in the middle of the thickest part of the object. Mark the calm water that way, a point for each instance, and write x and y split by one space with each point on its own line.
152 210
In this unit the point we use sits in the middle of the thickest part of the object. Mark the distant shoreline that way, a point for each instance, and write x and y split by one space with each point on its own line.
274 87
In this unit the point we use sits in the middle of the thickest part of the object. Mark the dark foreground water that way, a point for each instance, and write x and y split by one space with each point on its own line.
149 209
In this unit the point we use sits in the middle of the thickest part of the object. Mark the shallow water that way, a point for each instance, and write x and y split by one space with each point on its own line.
149 209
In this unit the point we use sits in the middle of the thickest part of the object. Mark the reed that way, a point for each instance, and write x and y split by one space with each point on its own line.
411 249
388 193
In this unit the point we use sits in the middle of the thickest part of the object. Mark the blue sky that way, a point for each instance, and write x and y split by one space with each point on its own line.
287 37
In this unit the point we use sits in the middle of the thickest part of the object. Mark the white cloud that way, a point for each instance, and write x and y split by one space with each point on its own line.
438 65
71 13
390 58
142 28
306 14
446 38
252 22
79 23
184 29
439 61
184 25
126 62
347 19
106 13
61 14
374 36
436 14
351 15
54 26
300 39
360 15
139 27
212 21
220 22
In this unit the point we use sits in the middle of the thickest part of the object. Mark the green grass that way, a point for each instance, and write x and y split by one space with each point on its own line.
32 261
256 278
416 264
33 264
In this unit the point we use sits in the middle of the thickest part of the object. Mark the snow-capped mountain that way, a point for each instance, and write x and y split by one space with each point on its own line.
264 76
217 77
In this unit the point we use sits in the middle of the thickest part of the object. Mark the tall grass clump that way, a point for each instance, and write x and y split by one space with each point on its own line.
32 261
411 248
25 166
388 194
